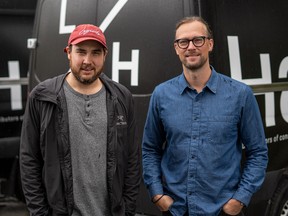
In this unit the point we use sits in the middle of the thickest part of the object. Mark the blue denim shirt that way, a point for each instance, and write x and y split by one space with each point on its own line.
192 144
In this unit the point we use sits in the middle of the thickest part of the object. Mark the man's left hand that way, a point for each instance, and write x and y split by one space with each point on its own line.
233 207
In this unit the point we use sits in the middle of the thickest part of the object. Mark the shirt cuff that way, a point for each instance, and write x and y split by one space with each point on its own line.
155 189
243 196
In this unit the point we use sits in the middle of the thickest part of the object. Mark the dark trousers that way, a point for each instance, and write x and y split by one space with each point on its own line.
167 213
224 214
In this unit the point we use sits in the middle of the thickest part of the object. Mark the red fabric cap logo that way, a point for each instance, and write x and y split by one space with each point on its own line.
87 32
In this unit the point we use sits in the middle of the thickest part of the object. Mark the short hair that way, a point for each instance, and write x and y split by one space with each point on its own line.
193 19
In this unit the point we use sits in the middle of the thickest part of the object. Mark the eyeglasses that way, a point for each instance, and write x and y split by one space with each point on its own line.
197 42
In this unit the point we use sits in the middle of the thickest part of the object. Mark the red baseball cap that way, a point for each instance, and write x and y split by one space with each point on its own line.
86 32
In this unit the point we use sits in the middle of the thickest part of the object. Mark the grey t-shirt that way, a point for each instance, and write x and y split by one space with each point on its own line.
88 140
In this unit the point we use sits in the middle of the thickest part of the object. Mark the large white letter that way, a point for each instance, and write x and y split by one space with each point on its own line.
63 29
270 109
112 14
283 73
16 93
125 65
235 64
236 73
284 105
283 68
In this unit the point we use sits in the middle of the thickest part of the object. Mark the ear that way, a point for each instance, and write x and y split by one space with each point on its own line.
211 45
68 51
105 53
176 48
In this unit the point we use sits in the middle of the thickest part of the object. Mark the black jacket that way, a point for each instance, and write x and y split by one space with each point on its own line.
45 158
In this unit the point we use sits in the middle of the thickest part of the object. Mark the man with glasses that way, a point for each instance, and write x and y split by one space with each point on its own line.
193 136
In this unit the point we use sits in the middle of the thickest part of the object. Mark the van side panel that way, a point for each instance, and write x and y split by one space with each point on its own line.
250 46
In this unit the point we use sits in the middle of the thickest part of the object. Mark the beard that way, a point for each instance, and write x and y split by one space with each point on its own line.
86 80
195 65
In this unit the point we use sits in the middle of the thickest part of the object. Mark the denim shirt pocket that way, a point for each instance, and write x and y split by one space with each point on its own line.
222 129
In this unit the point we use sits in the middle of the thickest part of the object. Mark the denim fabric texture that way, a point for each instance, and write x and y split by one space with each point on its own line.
192 144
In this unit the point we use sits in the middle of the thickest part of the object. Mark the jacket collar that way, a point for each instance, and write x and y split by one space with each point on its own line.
49 89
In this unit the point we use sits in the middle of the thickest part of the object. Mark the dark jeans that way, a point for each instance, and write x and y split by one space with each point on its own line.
186 214
167 213
224 214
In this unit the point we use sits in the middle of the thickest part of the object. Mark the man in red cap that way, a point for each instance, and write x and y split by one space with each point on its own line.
78 154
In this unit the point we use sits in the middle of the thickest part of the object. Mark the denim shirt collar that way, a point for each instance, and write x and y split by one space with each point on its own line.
211 84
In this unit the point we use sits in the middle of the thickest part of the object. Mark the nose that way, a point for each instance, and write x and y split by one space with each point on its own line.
87 59
191 45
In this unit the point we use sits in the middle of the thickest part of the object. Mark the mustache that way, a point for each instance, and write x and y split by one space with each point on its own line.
87 67
191 53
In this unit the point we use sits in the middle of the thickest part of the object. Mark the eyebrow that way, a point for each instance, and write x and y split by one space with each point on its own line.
79 49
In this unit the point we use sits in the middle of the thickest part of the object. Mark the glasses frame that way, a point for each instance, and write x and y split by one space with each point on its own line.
193 41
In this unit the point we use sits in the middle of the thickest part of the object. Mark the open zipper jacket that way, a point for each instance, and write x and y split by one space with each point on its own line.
45 157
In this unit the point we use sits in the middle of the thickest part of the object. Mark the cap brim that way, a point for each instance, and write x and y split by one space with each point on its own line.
79 40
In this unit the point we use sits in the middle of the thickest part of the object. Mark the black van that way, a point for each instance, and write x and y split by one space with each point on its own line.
250 45
16 24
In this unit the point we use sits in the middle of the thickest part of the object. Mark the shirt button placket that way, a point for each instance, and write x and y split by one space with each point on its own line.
192 176
192 179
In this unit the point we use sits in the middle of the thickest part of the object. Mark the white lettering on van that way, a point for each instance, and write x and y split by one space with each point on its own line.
66 29
283 73
16 93
63 29
235 64
283 68
112 14
236 73
284 105
118 65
